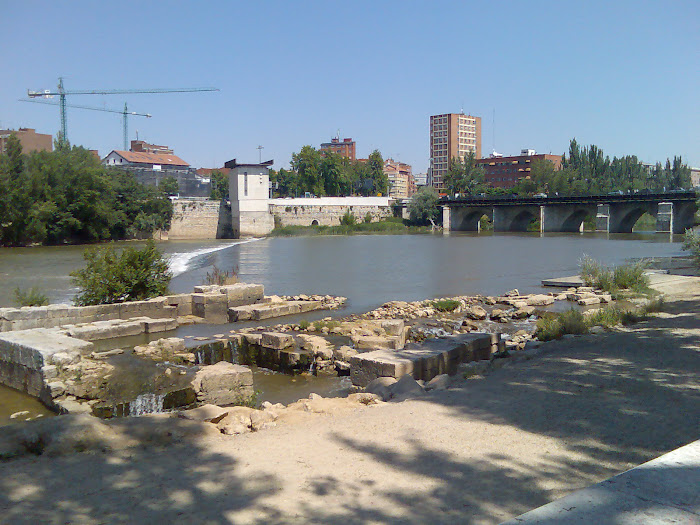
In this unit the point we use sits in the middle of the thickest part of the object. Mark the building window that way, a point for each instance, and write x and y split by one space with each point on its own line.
245 183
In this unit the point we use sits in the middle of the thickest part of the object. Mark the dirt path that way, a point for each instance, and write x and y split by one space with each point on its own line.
485 450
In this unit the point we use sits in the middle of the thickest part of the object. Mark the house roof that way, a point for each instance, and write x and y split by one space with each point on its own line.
151 158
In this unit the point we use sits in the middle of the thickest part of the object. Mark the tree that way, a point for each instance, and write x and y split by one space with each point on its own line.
169 186
465 176
306 164
111 277
375 165
424 206
219 186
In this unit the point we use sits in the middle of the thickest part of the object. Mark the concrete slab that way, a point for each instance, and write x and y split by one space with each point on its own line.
664 490
564 282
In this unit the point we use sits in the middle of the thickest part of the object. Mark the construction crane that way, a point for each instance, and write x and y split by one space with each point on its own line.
62 93
125 114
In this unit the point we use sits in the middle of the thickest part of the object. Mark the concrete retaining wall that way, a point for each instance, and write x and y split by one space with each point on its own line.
200 219
200 303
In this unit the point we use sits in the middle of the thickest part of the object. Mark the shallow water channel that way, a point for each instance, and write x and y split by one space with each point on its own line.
368 270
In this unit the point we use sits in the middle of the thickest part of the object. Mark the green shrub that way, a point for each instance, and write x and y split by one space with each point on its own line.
30 297
221 277
596 274
112 277
348 219
692 244
446 305
368 218
554 326
304 324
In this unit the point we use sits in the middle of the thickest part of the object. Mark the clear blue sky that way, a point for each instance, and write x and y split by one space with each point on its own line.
622 75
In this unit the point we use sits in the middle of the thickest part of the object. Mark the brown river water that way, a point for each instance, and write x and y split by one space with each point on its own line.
368 270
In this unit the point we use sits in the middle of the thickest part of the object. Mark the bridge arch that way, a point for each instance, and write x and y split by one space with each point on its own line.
629 217
566 218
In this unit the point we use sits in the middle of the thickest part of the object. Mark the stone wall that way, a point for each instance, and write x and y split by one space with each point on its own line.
200 219
327 211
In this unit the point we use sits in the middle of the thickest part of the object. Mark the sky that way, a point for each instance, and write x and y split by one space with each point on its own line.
622 75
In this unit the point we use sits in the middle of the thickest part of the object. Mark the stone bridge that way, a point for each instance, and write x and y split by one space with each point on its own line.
674 212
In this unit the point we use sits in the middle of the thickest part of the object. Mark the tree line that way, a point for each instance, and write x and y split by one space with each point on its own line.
584 171
324 173
67 196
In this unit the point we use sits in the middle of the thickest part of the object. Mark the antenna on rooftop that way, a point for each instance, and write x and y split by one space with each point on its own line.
493 129
260 148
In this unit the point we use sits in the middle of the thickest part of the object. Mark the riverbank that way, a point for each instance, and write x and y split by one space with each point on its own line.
486 449
391 226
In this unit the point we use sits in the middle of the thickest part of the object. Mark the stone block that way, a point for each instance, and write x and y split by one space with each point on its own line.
393 327
376 342
240 294
213 308
379 363
33 349
276 340
540 300
207 288
275 310
223 384
587 301
159 325
182 303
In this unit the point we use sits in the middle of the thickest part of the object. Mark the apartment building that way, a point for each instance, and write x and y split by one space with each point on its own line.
402 185
505 172
346 148
451 135
28 138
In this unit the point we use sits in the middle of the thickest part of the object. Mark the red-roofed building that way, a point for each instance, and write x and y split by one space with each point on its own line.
154 161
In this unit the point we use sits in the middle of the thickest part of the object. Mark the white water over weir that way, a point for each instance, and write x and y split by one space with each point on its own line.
146 404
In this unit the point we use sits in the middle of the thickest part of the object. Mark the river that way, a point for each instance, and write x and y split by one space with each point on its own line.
368 270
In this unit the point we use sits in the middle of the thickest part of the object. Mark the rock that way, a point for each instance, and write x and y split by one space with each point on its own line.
262 419
499 315
57 388
540 300
313 396
23 413
223 384
381 387
236 421
597 329
406 388
523 312
342 367
276 340
440 382
208 413
475 312
393 326
105 355
316 345
343 353
513 293
587 301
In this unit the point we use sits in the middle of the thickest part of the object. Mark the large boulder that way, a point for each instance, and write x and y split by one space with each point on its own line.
475 312
223 384
381 387
406 388
316 345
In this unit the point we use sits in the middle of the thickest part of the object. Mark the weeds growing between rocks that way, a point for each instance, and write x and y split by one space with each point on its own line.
612 280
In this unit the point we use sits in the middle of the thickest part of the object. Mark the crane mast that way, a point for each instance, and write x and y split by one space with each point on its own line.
62 93
125 113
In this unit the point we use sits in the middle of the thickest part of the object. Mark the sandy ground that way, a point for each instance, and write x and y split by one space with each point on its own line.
483 451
